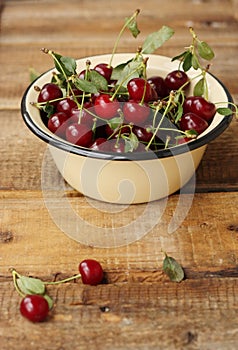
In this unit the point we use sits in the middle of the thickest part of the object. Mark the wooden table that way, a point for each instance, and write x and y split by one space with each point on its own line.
139 307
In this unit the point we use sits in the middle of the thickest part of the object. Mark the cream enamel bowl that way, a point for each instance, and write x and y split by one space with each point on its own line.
127 178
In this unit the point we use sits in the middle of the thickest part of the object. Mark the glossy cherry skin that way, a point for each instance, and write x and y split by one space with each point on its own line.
117 146
50 92
66 105
136 88
200 106
34 307
143 133
104 107
91 272
79 134
135 113
58 123
105 70
101 144
176 79
159 85
191 121
83 115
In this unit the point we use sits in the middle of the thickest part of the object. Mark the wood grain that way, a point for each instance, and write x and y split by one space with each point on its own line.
137 308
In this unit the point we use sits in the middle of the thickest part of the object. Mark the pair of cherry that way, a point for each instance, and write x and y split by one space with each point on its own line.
36 308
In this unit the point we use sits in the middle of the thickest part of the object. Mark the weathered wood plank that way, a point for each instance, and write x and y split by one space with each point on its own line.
204 244
190 315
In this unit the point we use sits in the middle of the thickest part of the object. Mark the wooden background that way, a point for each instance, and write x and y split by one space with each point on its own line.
139 308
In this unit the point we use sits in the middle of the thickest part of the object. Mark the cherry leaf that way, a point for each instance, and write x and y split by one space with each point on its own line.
117 71
205 51
85 85
132 26
65 64
199 88
224 111
30 285
180 56
98 80
187 63
114 123
33 74
131 142
48 109
173 269
49 300
195 63
156 39
131 70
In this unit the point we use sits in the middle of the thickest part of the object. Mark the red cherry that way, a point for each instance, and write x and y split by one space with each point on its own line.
136 87
57 123
159 85
175 79
34 307
118 146
191 121
135 113
83 115
91 272
105 70
101 144
50 92
143 133
66 105
79 134
104 107
200 106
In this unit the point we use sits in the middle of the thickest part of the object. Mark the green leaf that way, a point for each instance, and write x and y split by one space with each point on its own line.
173 269
187 63
65 65
132 70
192 134
85 85
33 74
131 142
205 51
49 300
199 88
48 109
98 80
114 123
117 71
195 63
30 285
179 113
132 26
156 39
181 55
224 111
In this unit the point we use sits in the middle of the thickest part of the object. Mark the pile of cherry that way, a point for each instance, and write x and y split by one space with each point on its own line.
88 122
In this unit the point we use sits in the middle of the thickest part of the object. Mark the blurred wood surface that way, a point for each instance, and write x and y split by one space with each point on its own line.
138 308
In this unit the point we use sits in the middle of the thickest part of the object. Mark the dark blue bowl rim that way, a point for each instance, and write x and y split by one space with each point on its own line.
86 152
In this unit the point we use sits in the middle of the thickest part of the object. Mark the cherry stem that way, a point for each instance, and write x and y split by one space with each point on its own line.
171 98
16 275
52 54
135 14
64 280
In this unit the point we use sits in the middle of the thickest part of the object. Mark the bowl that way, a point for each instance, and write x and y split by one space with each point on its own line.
132 177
